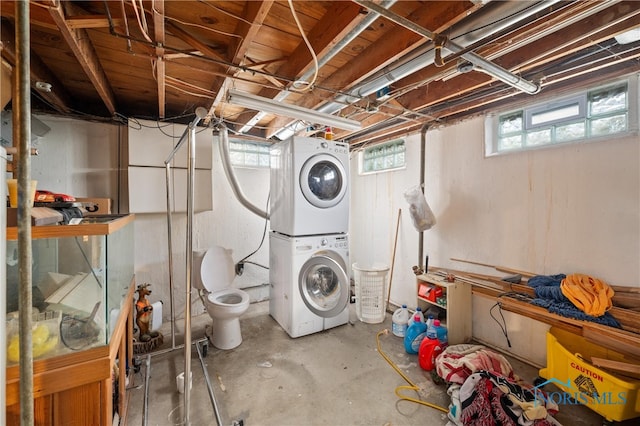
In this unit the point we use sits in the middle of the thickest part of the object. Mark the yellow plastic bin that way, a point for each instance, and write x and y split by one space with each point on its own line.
615 397
371 284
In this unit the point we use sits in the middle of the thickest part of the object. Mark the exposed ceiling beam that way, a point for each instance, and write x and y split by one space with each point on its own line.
397 43
91 21
158 30
341 17
80 43
58 96
255 14
543 50
194 42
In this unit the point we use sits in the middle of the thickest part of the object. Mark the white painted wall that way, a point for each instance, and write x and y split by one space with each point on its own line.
573 208
569 209
82 159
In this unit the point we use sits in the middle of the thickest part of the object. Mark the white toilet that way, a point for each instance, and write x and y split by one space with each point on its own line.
213 274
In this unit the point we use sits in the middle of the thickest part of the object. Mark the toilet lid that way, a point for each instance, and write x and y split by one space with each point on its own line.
217 270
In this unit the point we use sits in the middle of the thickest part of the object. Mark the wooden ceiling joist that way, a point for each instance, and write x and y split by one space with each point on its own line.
58 96
79 42
158 31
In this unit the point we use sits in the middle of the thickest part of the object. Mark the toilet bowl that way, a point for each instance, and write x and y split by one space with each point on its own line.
214 272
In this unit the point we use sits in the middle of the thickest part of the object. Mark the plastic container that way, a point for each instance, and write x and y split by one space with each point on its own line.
370 284
613 397
417 312
432 332
427 352
414 336
441 332
399 321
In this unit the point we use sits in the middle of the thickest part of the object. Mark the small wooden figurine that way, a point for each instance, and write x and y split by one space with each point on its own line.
144 311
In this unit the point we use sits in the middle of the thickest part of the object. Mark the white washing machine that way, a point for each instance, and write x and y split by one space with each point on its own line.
309 187
309 282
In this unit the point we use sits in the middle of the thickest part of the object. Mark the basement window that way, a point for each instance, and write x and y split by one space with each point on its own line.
387 156
248 154
594 114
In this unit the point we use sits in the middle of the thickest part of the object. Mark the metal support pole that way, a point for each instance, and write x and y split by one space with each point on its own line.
22 129
212 397
201 113
189 255
170 243
423 149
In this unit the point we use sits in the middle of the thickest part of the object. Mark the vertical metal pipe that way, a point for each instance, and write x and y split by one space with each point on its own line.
170 252
212 397
423 150
147 375
201 113
189 255
22 129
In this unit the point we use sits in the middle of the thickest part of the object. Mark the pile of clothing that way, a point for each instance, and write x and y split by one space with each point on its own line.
485 391
575 296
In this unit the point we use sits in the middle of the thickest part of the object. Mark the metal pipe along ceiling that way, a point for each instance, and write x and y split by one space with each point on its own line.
337 48
502 14
517 11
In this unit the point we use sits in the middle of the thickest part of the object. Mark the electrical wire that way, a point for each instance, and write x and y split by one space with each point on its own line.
412 386
264 234
503 325
300 85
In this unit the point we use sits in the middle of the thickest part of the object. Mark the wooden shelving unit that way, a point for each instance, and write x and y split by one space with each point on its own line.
458 306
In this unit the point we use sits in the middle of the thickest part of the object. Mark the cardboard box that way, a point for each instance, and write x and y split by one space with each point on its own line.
95 206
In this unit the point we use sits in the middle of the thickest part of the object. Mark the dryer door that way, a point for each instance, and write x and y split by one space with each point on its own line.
324 285
323 180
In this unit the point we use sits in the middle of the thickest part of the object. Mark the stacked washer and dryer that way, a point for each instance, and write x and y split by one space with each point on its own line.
309 245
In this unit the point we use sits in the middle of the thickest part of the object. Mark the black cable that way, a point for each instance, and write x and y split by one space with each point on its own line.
264 234
257 264
502 326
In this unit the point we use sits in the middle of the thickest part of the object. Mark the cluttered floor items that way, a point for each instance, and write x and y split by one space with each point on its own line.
593 352
483 387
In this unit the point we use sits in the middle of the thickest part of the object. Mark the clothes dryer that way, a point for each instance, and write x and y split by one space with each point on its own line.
309 281
309 187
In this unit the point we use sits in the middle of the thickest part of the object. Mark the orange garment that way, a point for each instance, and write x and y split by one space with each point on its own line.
588 294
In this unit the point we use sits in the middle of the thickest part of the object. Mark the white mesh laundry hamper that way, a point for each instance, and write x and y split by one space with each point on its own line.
370 283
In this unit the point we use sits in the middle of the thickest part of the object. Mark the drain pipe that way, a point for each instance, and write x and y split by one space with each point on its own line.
228 171
423 150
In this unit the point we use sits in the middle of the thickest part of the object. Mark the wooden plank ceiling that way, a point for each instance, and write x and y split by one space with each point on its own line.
160 60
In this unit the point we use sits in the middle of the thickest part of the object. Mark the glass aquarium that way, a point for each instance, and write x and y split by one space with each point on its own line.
80 276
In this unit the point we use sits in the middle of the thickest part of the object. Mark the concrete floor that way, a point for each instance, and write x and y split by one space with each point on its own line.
336 377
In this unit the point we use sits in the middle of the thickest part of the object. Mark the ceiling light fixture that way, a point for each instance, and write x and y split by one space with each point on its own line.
259 103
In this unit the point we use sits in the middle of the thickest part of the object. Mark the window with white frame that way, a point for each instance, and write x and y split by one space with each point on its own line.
248 154
597 113
387 156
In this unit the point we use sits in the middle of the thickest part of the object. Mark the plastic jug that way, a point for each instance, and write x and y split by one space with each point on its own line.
441 332
419 313
399 321
432 332
415 334
427 353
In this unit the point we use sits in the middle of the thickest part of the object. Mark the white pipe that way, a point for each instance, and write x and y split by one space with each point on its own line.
228 171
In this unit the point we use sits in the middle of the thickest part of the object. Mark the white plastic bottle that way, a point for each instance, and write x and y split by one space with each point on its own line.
417 312
399 321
